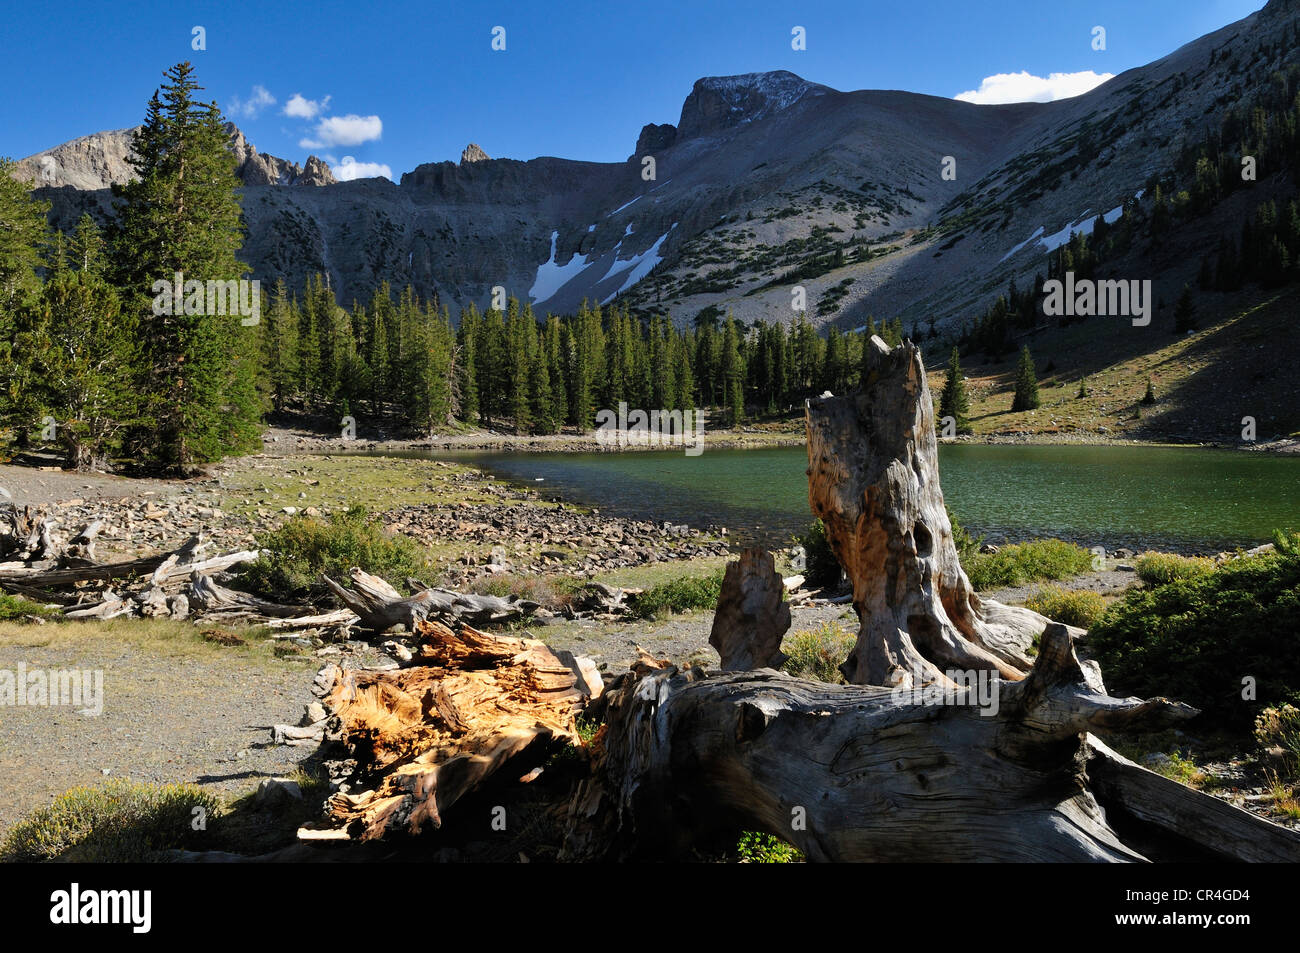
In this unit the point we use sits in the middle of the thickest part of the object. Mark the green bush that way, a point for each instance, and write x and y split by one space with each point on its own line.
1196 638
817 653
1081 607
119 821
1280 727
679 595
823 568
756 847
14 608
1039 560
306 546
968 546
1159 568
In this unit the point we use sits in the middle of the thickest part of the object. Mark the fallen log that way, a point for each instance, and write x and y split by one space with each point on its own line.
866 773
1213 827
379 606
414 741
209 597
104 572
873 478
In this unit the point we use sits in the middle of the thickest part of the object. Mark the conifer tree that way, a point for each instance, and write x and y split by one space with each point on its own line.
181 214
733 374
22 240
467 337
1026 395
86 361
953 402
280 346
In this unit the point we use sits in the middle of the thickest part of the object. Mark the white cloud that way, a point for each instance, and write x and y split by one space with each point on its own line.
350 169
1024 87
301 107
251 107
350 130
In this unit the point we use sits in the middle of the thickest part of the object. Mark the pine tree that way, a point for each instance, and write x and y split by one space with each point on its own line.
1026 397
733 374
22 239
467 336
953 402
280 346
181 214
86 353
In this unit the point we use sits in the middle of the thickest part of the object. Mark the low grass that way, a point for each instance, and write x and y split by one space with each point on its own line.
1156 569
168 638
1279 727
15 608
115 822
1039 560
1078 607
335 483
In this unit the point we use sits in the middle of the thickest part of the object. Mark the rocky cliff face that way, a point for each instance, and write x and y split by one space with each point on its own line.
99 161
763 174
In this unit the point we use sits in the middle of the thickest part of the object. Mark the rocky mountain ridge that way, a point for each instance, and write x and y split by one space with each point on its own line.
767 182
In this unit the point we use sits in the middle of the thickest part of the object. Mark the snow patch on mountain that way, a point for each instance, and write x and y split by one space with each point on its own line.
552 276
641 265
1080 226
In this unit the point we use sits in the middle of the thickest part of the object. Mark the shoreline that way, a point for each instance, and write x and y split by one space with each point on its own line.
296 440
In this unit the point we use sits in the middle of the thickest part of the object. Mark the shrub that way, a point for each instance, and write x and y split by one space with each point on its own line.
13 608
553 592
817 653
968 546
119 821
756 847
1195 638
1080 607
823 568
679 595
1158 568
1279 727
306 546
1040 560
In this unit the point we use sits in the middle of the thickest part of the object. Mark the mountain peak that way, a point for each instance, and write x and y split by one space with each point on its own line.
473 153
719 102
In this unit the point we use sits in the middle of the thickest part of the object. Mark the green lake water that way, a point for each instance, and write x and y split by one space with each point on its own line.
1186 499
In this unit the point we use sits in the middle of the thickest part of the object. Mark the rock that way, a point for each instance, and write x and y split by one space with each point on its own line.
289 509
473 153
312 714
274 792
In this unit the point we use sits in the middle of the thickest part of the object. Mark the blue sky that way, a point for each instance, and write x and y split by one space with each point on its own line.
414 82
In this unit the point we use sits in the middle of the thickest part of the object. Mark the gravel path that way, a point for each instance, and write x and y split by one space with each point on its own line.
165 719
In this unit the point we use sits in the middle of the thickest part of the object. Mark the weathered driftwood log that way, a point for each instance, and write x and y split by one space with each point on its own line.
751 618
209 597
873 478
102 571
1216 829
418 739
864 773
380 606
